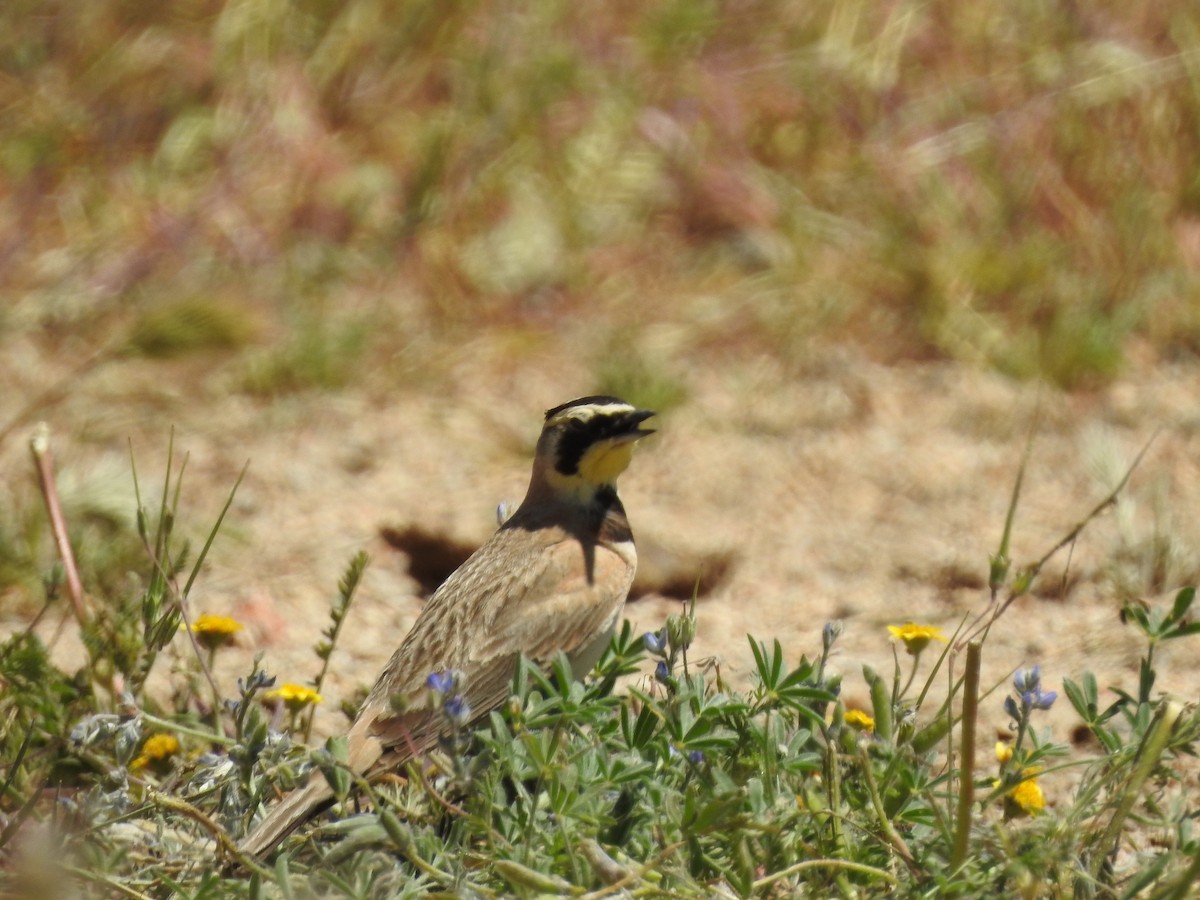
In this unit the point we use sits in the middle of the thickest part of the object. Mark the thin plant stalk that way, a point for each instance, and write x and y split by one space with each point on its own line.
966 778
1148 756
337 615
39 445
1025 578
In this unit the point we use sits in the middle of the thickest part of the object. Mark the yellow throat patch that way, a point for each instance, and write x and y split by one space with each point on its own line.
603 462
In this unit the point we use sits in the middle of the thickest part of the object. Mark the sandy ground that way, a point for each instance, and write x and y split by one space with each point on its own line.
852 491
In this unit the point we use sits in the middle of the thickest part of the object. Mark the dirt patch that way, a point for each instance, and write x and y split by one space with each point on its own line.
852 491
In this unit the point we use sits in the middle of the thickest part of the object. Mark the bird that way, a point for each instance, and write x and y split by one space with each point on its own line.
553 578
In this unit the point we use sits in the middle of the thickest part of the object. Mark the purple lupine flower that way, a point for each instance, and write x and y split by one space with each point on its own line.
1043 699
1010 707
441 682
458 708
1027 680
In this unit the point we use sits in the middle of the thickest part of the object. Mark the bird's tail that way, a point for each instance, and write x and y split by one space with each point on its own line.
291 812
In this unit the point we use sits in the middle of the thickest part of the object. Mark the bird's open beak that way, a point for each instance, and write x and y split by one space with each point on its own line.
632 427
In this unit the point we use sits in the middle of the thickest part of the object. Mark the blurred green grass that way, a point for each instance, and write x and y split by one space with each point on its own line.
1012 184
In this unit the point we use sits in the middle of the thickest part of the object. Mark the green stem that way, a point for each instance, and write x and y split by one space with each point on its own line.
912 675
833 781
966 777
843 864
769 756
168 725
1148 756
893 836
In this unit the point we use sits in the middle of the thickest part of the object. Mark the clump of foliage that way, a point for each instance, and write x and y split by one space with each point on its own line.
668 783
1006 183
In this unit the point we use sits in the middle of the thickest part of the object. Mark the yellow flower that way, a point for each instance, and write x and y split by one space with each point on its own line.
156 752
856 718
215 631
1026 798
294 696
916 637
1004 751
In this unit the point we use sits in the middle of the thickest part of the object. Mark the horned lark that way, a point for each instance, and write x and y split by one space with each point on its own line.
554 577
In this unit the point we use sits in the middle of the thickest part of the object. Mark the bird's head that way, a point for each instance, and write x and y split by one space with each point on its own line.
587 443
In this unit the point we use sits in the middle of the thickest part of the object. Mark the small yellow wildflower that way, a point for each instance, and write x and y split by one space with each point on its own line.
156 752
1023 799
1028 796
215 631
916 637
858 719
1026 799
294 696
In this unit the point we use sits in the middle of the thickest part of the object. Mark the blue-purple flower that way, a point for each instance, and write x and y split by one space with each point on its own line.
457 708
1010 707
440 682
1025 680
1039 699
655 642
1028 685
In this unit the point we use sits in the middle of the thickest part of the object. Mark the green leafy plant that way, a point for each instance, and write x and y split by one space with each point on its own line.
653 776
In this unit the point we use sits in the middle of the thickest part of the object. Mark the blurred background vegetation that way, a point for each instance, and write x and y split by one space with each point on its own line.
326 189
259 198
